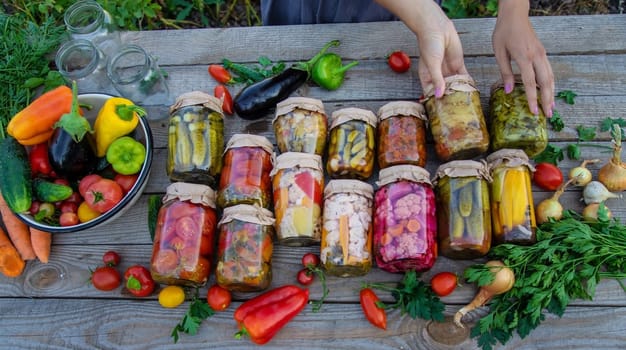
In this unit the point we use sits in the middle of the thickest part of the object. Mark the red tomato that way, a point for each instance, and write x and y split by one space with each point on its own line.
126 182
111 258
305 277
68 218
68 207
199 273
75 198
39 161
220 74
223 94
373 312
63 182
86 181
103 195
34 207
106 278
218 298
165 261
547 176
399 61
443 283
310 260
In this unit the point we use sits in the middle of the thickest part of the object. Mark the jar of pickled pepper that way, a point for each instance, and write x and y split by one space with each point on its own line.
298 187
513 125
245 177
184 237
346 247
456 120
351 148
401 134
463 209
195 139
512 204
300 125
244 253
405 221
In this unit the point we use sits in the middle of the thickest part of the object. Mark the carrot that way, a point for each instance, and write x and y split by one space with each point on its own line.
17 230
11 263
42 242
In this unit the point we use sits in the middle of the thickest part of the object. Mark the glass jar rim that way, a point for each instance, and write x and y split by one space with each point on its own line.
70 47
124 52
80 11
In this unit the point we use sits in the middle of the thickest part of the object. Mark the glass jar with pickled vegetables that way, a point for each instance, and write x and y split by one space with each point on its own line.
346 247
456 120
300 125
195 139
244 253
245 177
184 237
351 148
298 187
401 134
405 221
512 204
513 125
463 209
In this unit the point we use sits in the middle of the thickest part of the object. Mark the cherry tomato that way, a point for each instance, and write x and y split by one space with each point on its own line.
103 195
34 207
200 273
111 258
218 297
75 198
399 61
63 182
165 261
223 94
85 213
310 260
86 181
547 176
68 218
305 277
126 182
70 207
373 312
443 283
106 278
171 296
220 74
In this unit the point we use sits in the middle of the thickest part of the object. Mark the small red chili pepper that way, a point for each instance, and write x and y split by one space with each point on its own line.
373 312
223 94
39 162
220 74
139 282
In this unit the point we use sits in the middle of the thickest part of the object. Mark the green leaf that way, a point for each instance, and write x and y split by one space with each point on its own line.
567 95
556 121
607 123
586 133
573 151
551 154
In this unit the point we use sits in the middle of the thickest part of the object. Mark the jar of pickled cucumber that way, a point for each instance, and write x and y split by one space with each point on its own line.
351 148
401 134
513 125
463 209
184 236
195 139
298 187
512 205
301 125
405 222
456 120
346 247
244 253
245 177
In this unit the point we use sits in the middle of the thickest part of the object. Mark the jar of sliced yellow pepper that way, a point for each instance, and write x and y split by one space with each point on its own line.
512 205
300 125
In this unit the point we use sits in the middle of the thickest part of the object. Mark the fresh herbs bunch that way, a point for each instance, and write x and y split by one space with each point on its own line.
198 311
570 257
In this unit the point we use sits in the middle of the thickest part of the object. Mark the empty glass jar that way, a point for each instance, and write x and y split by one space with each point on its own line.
78 60
89 21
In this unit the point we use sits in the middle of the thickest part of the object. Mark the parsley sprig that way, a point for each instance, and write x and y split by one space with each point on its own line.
198 311
413 296
570 257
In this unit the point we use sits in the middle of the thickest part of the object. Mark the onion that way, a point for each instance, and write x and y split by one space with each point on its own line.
581 174
613 173
596 192
590 212
551 207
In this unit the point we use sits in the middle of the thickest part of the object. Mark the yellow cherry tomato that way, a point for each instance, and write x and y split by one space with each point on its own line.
171 296
85 213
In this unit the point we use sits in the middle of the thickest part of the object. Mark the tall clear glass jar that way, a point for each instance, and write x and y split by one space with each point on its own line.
346 247
512 204
78 60
298 187
456 120
301 125
184 238
244 253
245 177
86 19
195 139
463 209
401 134
405 221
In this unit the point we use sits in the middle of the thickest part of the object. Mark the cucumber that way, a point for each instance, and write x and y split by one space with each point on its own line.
47 191
15 180
154 205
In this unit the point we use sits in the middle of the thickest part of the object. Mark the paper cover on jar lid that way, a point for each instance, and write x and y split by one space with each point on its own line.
343 115
458 82
406 108
349 186
292 103
195 193
250 140
197 98
462 168
510 157
290 160
403 172
248 213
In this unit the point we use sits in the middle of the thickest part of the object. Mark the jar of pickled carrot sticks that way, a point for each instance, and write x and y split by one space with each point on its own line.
401 134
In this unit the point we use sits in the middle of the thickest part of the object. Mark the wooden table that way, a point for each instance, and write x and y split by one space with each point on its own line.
53 306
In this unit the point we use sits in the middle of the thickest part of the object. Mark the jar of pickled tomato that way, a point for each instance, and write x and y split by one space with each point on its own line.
298 187
346 247
244 253
351 148
245 178
512 204
195 139
184 236
401 134
405 221
463 209
456 120
300 125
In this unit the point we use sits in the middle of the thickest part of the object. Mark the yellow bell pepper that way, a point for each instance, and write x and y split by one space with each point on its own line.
117 117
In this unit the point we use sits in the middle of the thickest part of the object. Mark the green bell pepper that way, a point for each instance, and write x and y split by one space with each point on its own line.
126 155
328 72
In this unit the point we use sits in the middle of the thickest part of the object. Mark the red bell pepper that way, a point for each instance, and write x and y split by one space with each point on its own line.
263 316
139 281
38 157
309 186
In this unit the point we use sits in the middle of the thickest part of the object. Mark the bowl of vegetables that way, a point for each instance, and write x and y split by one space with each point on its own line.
77 185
